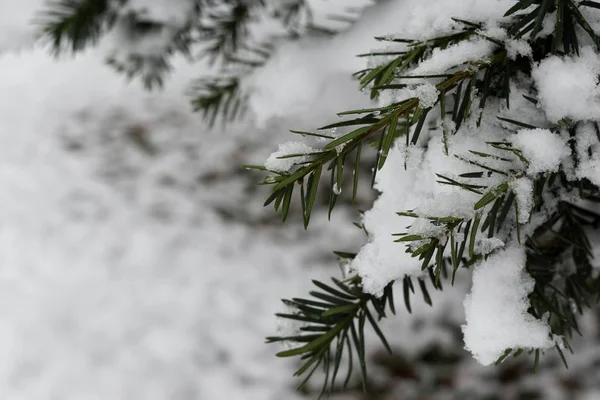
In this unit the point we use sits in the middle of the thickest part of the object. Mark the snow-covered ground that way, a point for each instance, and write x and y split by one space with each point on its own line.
120 275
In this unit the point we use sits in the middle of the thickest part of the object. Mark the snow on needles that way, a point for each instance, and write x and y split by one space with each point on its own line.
496 309
441 60
543 149
289 154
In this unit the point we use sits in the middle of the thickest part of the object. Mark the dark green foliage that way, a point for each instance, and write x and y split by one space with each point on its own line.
75 23
464 95
219 95
331 324
228 30
568 18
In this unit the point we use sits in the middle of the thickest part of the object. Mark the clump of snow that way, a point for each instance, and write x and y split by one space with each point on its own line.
381 259
568 87
279 161
408 181
496 309
543 149
548 26
427 95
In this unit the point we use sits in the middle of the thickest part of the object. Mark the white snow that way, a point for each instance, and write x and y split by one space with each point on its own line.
429 19
15 24
568 87
496 309
381 259
543 149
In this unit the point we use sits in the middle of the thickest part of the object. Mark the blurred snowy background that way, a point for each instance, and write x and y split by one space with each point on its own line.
137 261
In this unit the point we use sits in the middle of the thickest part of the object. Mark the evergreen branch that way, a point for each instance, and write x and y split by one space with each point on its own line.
456 240
383 75
221 29
385 121
74 23
218 95
335 320
151 69
225 29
